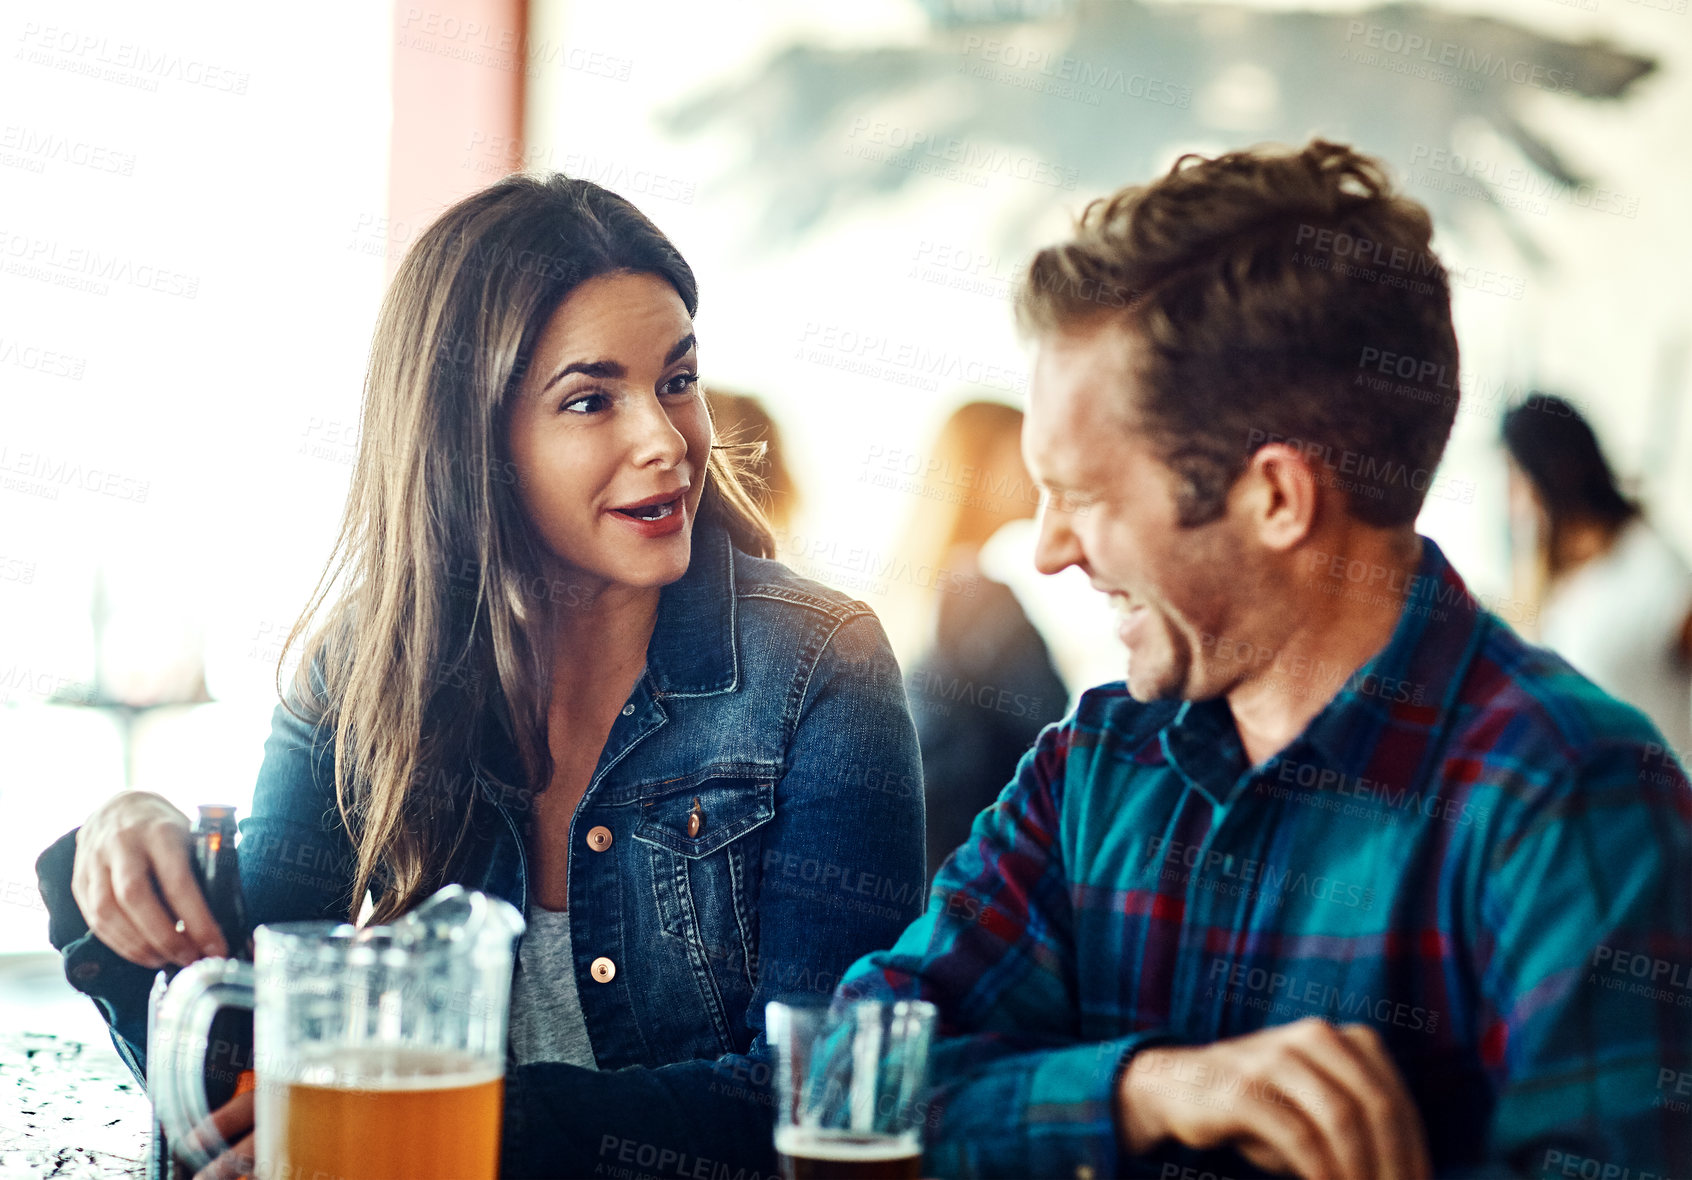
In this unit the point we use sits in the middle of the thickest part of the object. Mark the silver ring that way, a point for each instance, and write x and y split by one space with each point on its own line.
181 926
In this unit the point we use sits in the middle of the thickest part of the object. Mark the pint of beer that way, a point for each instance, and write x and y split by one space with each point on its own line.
383 1114
850 1087
813 1154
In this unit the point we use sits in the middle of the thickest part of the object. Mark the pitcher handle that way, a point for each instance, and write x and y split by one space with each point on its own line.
176 1053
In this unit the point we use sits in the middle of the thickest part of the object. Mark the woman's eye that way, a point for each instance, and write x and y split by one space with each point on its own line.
590 403
681 383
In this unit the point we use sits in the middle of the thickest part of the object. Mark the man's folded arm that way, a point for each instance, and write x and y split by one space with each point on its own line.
1017 1090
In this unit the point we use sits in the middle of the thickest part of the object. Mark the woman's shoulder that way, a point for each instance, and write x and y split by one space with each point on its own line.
1643 551
764 580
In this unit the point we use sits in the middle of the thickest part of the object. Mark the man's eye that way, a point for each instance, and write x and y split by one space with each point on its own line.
681 383
1063 501
589 403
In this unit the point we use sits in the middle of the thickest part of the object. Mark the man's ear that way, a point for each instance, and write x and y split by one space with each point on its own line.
1280 495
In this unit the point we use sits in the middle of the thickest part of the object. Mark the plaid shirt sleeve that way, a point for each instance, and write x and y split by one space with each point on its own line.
1585 965
1017 1092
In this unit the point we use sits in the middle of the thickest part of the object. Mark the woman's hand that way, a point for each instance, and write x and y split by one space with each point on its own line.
228 1121
134 881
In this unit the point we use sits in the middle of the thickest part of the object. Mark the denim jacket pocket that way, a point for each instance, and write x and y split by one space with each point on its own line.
698 820
703 846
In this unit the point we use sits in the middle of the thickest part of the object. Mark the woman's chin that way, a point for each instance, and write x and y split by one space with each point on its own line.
658 570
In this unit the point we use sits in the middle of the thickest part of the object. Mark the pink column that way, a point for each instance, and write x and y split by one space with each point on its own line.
458 106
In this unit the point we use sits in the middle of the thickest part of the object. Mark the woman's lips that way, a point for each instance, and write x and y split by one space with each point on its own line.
650 511
637 507
655 520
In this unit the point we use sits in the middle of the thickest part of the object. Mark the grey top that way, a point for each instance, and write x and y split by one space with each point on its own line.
546 1012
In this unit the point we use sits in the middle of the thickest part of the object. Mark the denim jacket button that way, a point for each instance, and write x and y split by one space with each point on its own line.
603 969
599 838
628 710
695 820
83 972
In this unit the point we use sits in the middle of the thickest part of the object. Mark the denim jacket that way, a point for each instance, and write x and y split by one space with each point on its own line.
771 709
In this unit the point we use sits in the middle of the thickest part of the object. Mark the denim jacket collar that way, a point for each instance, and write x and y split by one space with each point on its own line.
693 651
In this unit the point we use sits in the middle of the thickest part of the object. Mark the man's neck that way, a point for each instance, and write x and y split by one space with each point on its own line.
1325 639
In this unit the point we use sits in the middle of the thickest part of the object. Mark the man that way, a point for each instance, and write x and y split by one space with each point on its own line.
1346 880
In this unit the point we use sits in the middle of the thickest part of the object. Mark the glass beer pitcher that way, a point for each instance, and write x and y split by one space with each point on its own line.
380 1052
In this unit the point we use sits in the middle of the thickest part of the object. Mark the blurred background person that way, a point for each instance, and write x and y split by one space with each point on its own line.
984 684
1614 597
743 423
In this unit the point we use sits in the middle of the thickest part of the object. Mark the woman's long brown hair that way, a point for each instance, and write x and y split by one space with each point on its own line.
433 609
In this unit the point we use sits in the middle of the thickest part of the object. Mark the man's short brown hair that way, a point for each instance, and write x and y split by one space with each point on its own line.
1267 285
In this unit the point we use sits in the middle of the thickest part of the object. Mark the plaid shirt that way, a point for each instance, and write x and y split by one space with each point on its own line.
1470 848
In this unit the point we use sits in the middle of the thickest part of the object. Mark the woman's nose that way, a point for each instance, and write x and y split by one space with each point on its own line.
657 440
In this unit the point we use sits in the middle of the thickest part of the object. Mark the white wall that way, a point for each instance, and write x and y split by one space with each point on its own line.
190 263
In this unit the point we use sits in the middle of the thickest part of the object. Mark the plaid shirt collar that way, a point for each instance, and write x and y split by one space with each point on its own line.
1403 694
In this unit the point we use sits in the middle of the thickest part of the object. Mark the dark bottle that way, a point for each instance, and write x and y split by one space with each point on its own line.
219 874
229 1049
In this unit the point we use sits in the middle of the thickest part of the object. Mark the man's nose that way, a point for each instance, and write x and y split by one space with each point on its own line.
1056 547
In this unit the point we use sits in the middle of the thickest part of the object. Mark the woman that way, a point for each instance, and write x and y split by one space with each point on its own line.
1615 599
559 667
985 684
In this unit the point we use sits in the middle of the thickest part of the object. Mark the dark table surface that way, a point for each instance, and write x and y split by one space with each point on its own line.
69 1107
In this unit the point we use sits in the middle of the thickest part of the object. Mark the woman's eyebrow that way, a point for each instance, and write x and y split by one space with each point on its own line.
608 370
680 349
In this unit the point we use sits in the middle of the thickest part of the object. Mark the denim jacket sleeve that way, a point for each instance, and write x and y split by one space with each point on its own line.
297 859
117 986
843 874
295 863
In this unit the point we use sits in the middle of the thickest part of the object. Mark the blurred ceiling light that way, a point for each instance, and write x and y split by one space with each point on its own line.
1243 97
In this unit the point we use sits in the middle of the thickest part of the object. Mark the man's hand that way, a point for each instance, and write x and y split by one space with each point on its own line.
1306 1099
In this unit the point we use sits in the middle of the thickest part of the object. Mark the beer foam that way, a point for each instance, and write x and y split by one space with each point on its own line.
390 1067
816 1143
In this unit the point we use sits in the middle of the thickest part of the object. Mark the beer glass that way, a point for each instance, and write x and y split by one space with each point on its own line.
380 1051
850 1079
